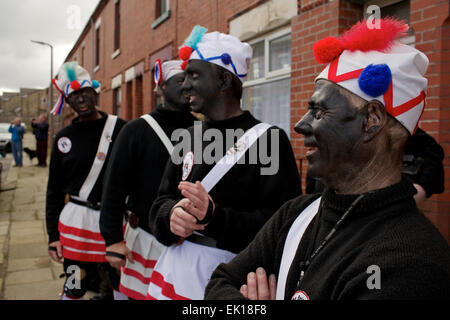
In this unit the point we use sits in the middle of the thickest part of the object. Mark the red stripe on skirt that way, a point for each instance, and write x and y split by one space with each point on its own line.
147 263
137 275
62 228
81 245
79 256
131 293
149 297
167 288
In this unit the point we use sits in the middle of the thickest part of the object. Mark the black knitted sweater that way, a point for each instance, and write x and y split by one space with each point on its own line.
385 229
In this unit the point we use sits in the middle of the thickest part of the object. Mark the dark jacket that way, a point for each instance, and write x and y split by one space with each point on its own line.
40 130
135 169
385 230
68 171
244 199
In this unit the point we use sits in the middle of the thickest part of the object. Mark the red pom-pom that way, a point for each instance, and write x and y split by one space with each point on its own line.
184 64
75 85
327 49
185 52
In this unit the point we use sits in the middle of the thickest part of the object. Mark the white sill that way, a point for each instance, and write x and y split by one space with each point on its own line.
115 54
96 68
161 19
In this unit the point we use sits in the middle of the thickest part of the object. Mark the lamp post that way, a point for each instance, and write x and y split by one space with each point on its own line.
51 85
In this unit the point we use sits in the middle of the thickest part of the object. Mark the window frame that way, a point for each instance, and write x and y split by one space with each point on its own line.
162 16
117 106
270 76
97 48
117 9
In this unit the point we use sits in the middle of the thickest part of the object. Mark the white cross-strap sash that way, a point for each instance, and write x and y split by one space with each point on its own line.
233 155
159 131
100 158
293 239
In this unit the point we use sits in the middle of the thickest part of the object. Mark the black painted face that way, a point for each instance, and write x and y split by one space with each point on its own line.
333 130
201 85
174 93
83 101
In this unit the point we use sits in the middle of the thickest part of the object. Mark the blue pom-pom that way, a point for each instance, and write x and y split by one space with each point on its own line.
195 37
375 79
95 84
226 59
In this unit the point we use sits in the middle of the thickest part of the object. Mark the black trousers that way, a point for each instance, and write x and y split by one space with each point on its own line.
41 151
80 273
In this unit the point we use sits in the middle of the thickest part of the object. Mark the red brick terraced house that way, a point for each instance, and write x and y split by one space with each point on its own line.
123 38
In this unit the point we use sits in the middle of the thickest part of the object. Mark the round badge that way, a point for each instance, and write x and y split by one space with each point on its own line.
300 295
64 144
101 156
188 163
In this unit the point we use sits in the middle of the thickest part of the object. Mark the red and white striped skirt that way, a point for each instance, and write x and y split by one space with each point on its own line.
183 271
79 234
135 277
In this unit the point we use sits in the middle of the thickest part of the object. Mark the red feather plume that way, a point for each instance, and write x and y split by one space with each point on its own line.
360 37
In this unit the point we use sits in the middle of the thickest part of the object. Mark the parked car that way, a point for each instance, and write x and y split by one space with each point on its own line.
5 138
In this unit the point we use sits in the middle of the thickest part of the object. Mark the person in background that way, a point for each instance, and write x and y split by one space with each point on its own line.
132 179
17 131
209 209
40 130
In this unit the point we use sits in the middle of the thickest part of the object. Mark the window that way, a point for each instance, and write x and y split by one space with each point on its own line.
117 26
97 47
129 98
162 6
82 56
162 12
267 87
139 97
395 8
117 100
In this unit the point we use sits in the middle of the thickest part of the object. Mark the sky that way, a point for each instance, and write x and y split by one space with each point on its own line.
24 64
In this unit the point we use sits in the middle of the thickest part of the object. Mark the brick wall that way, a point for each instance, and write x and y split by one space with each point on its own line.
431 22
138 41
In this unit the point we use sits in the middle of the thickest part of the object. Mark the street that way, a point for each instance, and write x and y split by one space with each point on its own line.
26 271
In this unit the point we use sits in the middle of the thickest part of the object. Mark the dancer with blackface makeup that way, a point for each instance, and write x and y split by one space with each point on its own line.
132 179
364 237
77 166
204 213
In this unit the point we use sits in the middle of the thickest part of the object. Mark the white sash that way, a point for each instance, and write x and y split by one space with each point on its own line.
187 267
100 158
159 131
231 158
292 242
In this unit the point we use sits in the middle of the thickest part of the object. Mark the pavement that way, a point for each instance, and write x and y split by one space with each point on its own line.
26 270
